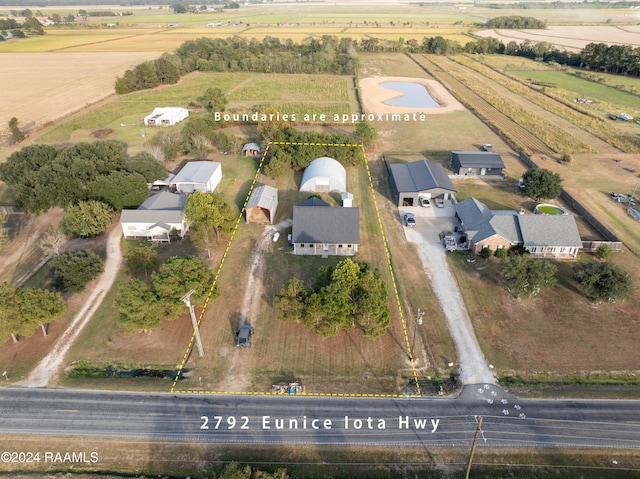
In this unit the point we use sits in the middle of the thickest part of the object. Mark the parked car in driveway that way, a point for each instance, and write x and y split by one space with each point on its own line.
425 203
409 220
439 202
243 336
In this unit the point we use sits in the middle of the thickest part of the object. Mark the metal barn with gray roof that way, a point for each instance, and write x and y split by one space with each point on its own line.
476 163
419 179
262 205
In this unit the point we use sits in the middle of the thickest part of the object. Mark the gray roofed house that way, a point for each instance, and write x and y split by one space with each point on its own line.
154 225
156 218
426 179
164 201
542 235
323 230
476 163
262 205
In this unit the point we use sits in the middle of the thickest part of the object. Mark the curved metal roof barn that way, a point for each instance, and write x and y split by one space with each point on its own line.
324 174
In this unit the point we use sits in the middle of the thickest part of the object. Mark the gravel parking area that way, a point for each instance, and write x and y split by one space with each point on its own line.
430 222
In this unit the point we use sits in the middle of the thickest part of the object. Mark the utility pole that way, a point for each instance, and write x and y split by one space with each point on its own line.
473 447
186 299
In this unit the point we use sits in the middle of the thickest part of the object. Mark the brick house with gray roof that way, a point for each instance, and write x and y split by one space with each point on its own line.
548 236
319 229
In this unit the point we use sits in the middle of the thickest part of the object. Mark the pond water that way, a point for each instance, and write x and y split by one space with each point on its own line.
414 95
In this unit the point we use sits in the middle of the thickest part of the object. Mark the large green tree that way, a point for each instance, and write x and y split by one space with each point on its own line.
147 166
139 307
541 184
72 270
347 294
119 189
141 258
208 215
213 99
23 311
87 219
603 281
177 276
527 276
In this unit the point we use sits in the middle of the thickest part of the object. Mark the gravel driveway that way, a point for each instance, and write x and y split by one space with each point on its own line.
430 222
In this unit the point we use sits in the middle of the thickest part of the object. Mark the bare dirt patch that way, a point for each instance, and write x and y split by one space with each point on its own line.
374 96
571 38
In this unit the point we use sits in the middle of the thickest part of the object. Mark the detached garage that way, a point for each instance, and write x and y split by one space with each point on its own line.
166 116
326 175
419 179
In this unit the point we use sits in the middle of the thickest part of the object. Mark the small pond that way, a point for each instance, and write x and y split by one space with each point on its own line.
414 95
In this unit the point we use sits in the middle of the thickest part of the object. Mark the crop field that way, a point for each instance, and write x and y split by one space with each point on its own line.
573 38
39 88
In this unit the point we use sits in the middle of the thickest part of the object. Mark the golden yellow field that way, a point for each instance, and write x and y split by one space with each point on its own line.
38 88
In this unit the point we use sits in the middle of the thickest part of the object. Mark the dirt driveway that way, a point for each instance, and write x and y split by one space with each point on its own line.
429 223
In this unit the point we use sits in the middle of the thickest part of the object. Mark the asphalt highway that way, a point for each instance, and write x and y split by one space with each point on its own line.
507 421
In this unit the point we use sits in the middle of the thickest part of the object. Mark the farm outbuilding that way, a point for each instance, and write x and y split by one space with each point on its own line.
166 116
262 205
251 149
324 174
476 163
197 176
419 179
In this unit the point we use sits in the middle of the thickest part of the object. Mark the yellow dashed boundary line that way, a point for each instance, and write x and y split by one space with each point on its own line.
187 353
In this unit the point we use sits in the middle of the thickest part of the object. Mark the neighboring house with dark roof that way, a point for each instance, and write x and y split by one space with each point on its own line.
476 163
157 219
319 229
419 179
197 176
262 205
554 236
251 149
324 174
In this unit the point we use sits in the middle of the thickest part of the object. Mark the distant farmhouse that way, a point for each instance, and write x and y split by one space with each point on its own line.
476 163
547 236
166 116
262 205
419 179
197 176
319 229
324 174
157 219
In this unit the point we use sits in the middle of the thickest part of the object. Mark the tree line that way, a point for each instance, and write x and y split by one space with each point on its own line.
349 293
30 26
41 176
271 55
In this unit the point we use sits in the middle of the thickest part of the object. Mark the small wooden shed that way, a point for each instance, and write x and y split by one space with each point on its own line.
262 205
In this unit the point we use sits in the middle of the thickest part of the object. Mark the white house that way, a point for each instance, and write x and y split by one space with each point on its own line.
166 116
197 176
159 217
